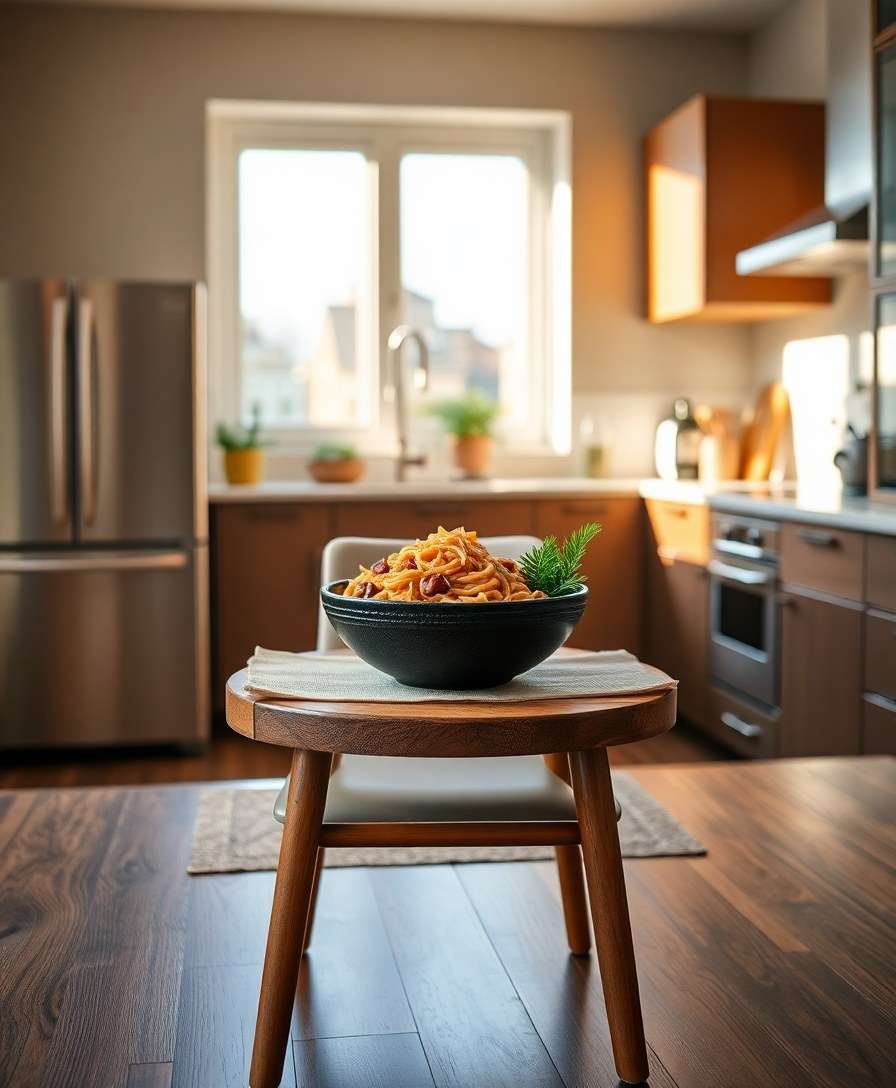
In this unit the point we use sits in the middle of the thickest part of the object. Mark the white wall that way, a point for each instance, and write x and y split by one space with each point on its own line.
102 115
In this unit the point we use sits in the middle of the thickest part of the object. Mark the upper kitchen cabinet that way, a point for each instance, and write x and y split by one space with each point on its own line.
885 17
721 175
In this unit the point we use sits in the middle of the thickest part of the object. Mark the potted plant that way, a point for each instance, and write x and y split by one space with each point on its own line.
336 463
469 419
243 456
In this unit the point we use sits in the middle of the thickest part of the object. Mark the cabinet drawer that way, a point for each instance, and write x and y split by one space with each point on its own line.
829 560
880 652
679 530
879 726
740 726
880 561
407 520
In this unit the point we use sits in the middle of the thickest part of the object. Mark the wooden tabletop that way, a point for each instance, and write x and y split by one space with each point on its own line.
769 961
448 728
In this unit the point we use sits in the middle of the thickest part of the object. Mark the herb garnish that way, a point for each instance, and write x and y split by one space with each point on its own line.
555 568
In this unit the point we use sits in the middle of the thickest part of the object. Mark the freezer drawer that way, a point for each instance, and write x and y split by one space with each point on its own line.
103 648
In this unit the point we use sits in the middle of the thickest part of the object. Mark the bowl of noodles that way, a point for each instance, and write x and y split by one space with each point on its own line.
443 613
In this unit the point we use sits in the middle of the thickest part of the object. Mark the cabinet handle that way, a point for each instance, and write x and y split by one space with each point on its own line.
274 513
745 729
440 508
817 539
577 510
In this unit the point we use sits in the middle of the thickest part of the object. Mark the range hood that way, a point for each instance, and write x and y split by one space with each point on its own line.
832 239
822 243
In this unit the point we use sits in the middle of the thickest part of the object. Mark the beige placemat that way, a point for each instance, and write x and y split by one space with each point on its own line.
236 832
342 677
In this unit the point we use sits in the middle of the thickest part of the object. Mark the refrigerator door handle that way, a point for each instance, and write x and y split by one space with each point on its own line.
57 409
87 458
92 561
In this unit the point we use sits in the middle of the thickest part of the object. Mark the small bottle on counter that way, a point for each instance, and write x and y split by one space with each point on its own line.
595 448
677 449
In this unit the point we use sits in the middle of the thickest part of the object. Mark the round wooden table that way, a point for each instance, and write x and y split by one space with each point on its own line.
572 734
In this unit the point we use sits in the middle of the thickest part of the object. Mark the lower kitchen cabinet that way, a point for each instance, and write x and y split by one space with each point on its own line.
411 519
677 626
821 676
266 577
613 565
879 725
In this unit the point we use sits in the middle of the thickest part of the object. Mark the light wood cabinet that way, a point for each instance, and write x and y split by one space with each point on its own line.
821 676
266 578
723 174
613 565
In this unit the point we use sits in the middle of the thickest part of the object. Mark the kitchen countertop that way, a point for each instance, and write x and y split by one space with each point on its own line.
681 491
832 511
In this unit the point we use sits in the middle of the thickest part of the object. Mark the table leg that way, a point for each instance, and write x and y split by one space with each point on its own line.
292 896
575 902
596 811
312 906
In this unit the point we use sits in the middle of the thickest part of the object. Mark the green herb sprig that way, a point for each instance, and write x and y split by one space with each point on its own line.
555 568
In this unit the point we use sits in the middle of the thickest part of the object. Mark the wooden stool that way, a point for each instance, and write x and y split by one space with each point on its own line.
319 731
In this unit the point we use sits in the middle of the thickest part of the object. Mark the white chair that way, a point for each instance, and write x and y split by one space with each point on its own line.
373 789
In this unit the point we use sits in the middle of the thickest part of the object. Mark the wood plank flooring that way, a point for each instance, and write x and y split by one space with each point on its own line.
769 961
231 756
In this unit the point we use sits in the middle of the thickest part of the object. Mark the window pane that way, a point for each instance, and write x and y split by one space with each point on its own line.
464 272
303 245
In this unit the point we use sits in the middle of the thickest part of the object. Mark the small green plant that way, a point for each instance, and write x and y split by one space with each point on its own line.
467 417
241 438
555 568
334 451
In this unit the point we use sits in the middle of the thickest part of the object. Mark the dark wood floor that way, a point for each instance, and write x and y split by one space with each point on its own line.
230 755
767 962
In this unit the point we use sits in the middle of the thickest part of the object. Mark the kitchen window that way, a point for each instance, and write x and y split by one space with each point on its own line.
330 225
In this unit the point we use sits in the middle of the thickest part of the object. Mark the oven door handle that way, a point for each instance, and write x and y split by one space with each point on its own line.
746 729
739 574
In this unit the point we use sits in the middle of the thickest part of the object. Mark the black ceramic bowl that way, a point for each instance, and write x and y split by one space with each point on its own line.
453 646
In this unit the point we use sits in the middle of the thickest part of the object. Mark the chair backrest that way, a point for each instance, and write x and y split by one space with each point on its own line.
343 556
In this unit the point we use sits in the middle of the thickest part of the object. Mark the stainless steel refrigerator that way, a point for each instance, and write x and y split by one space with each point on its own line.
103 514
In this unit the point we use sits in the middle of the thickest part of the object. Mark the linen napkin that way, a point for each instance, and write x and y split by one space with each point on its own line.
340 676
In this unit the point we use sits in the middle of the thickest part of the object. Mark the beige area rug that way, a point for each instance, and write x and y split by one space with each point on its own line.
236 832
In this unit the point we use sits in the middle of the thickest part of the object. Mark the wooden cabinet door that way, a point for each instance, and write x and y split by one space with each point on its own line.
821 677
266 560
677 627
613 566
411 518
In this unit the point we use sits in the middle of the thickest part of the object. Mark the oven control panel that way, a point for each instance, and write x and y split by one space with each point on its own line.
747 538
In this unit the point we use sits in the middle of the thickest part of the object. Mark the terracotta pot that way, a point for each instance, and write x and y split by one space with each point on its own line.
473 454
244 466
337 472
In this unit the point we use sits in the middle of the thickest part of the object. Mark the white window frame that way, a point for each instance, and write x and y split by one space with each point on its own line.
542 138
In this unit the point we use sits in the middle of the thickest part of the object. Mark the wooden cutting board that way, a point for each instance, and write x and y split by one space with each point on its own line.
763 433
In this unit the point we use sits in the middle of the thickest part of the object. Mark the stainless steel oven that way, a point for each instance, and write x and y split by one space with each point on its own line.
743 606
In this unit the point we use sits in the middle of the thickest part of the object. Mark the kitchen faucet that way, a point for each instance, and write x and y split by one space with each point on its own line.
397 338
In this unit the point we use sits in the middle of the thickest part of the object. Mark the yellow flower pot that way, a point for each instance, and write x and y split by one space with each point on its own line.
244 466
